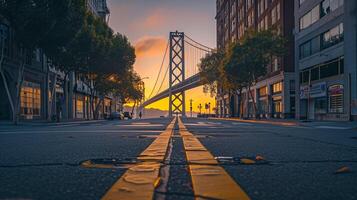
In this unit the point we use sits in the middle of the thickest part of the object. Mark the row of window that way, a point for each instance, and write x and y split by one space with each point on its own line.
319 11
323 41
329 69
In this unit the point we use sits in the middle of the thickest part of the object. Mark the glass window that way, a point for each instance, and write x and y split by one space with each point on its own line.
330 69
30 99
305 76
277 88
263 91
315 74
315 45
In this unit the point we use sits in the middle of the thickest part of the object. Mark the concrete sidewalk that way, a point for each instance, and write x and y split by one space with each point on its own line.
288 122
46 123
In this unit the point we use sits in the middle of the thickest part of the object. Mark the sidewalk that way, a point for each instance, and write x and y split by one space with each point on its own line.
291 122
43 122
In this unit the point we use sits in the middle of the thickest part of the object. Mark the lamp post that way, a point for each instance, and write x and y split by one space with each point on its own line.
143 90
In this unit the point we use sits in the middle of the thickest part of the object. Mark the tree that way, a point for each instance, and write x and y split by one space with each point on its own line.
250 57
210 72
34 23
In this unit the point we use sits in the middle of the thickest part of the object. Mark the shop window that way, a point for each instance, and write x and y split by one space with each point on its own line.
30 99
336 98
80 106
321 105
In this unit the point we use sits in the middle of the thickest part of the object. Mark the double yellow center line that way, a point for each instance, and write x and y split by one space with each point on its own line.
140 180
209 180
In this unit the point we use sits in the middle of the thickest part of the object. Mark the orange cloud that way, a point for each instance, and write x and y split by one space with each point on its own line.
156 19
150 46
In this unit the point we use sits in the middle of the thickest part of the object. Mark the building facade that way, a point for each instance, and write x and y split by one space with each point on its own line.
275 93
325 63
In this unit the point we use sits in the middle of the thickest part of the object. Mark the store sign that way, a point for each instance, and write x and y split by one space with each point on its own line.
335 89
316 90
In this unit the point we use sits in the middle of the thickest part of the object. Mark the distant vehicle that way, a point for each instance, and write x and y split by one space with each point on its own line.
162 116
116 115
127 115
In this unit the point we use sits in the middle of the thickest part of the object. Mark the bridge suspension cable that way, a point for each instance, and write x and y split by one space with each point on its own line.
159 73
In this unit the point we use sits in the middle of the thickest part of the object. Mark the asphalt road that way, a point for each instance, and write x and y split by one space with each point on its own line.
44 161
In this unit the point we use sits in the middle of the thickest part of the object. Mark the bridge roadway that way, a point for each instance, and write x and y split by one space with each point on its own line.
189 83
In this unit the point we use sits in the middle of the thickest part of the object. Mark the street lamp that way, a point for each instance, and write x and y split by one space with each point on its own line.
143 90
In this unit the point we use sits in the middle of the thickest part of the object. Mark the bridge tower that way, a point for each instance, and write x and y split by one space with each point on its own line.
177 73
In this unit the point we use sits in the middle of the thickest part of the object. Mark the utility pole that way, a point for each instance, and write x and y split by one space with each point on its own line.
191 106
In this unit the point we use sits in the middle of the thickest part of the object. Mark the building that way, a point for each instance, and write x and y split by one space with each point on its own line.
42 94
99 8
325 63
274 93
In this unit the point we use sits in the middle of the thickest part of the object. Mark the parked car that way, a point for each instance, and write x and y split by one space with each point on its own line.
128 115
116 115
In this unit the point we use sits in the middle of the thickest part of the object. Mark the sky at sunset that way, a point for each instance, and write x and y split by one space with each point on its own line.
147 24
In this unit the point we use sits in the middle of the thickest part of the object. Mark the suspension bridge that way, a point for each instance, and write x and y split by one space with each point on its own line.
178 72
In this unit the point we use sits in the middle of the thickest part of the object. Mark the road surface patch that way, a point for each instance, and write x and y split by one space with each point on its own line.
140 180
209 180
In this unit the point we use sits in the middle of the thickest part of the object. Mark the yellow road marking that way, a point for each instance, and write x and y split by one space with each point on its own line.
208 179
140 180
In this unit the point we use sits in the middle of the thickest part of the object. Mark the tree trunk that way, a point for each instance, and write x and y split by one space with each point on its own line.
254 102
4 78
20 80
96 111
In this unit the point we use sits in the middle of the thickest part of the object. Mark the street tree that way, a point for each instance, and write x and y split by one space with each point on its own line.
250 58
33 23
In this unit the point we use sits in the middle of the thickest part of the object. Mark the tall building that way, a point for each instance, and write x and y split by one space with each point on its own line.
325 63
99 8
274 93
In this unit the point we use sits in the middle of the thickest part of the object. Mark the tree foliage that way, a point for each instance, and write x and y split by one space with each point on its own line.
76 41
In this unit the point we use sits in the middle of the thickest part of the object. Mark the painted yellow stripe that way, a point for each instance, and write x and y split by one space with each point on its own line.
140 180
208 179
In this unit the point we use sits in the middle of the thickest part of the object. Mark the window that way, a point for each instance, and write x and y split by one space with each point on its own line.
315 74
30 99
336 98
325 70
275 63
263 91
328 70
328 6
323 41
319 11
277 88
309 18
332 36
